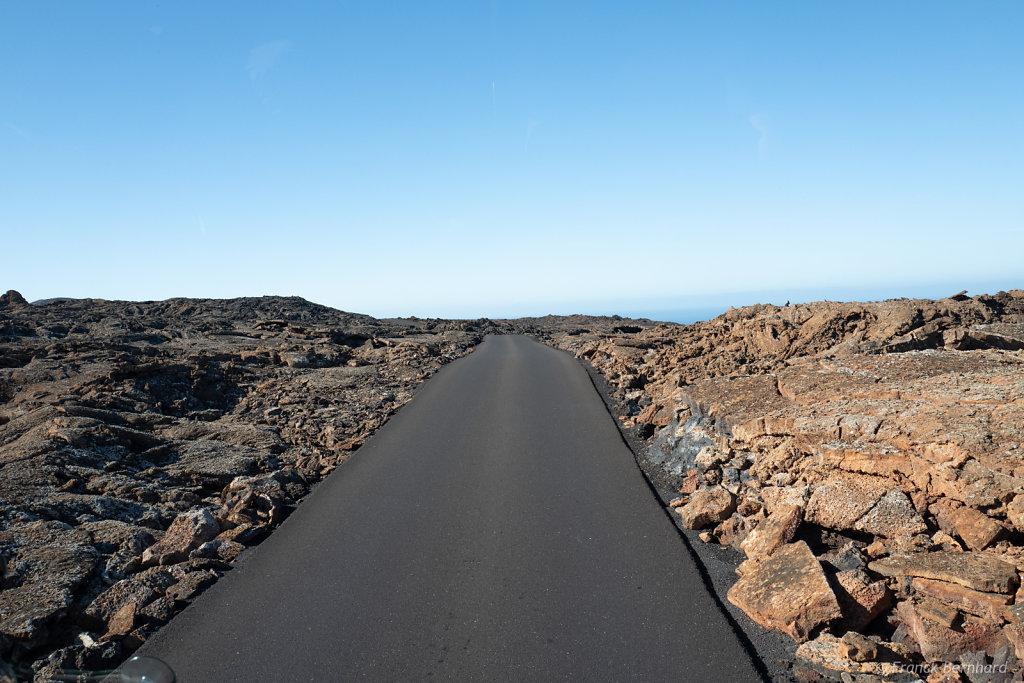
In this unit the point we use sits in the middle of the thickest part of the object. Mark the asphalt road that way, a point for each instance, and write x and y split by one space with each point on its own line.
496 529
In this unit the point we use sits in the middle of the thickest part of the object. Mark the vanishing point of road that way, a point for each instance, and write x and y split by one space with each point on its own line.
497 528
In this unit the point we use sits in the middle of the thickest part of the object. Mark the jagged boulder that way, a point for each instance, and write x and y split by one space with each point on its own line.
12 298
708 505
186 533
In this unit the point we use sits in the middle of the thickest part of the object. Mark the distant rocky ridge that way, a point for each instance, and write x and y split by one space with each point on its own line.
144 445
865 458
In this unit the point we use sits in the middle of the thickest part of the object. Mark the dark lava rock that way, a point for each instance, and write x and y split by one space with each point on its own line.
118 418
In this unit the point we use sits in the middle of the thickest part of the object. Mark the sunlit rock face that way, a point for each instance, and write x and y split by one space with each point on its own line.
886 436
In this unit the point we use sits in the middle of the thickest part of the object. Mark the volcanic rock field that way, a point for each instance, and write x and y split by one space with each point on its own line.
862 461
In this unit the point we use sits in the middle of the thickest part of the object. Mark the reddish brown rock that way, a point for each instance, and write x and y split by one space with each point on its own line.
976 529
732 531
939 643
186 533
787 592
122 623
841 504
690 483
859 648
944 675
253 500
893 515
973 570
1015 512
938 612
988 605
708 505
773 532
1015 634
860 601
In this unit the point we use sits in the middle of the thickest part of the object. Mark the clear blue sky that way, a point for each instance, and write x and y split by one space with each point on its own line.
506 158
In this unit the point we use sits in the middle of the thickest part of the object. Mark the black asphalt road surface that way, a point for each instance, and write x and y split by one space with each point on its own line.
496 529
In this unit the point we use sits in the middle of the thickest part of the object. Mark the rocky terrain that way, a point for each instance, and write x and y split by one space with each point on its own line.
864 459
144 446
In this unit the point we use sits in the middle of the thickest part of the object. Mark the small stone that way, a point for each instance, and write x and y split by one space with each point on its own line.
121 623
218 549
159 611
944 675
859 648
295 360
732 531
706 537
945 541
192 585
876 549
748 506
848 558
690 483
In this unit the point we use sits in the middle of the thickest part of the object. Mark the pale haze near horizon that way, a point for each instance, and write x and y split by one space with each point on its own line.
502 159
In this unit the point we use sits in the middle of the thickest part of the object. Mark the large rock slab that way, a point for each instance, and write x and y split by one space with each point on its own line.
973 570
988 605
787 592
